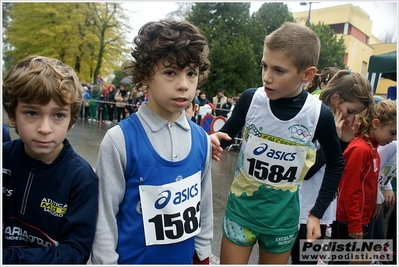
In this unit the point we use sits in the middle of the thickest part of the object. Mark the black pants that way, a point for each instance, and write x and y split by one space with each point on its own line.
391 231
120 111
111 110
295 251
340 231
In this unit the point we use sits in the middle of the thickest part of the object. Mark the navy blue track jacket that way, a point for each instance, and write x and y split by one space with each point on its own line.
49 210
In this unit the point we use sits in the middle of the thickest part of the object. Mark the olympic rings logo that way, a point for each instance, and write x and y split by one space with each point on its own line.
300 131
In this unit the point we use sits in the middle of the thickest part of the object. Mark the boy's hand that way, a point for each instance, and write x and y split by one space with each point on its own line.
216 149
313 228
377 210
389 197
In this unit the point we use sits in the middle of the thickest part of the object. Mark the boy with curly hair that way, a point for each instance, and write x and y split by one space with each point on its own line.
155 201
49 192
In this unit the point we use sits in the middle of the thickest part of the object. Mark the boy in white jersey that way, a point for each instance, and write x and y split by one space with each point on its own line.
282 122
154 167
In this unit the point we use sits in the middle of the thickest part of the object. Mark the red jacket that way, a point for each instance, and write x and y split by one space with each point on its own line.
357 190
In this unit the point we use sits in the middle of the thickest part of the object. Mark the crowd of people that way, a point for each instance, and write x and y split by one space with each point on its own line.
305 162
109 103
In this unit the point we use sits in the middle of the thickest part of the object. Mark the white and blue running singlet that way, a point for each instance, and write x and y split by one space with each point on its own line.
160 213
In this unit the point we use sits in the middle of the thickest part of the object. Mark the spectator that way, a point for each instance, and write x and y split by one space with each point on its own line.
226 107
86 105
218 101
121 100
202 102
191 109
101 109
133 98
233 104
93 103
111 103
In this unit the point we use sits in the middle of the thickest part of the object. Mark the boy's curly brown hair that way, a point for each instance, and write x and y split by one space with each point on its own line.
176 43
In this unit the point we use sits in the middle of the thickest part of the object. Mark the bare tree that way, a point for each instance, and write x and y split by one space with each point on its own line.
388 36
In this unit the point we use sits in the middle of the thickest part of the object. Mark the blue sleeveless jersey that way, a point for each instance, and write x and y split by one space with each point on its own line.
146 167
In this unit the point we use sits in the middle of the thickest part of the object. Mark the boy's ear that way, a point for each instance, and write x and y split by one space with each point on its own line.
309 74
196 106
144 82
12 120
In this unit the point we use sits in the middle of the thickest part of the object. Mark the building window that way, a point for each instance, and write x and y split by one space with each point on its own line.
364 68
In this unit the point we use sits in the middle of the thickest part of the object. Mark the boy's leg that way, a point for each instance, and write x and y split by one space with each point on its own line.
231 253
273 258
237 243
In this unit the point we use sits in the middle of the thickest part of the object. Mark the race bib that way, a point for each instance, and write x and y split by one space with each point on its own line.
273 163
171 212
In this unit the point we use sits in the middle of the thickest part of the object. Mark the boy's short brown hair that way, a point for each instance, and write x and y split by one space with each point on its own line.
298 42
38 80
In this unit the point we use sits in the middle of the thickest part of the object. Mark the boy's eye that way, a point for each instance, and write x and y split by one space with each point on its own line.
169 72
59 115
192 74
31 113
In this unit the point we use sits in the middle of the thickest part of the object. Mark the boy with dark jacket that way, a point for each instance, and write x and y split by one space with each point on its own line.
50 193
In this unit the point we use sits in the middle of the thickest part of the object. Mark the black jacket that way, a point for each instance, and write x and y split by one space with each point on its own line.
49 210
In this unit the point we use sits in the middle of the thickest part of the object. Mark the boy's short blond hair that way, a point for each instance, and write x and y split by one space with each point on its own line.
298 42
38 80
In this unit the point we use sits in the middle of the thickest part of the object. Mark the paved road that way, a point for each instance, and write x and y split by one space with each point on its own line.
86 137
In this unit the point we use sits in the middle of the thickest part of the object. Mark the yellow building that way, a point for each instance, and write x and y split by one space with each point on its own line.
354 25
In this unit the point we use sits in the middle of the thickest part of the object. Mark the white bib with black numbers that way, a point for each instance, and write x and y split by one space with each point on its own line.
273 163
171 212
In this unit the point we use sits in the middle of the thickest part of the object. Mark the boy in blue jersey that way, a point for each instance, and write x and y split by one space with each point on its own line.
282 122
50 193
155 200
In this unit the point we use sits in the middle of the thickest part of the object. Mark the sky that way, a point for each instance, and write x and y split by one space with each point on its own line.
383 14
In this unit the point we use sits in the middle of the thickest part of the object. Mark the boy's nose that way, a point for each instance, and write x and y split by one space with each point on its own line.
183 84
267 78
45 126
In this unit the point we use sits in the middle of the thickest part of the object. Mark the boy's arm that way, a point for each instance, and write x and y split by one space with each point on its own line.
204 238
110 168
77 233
